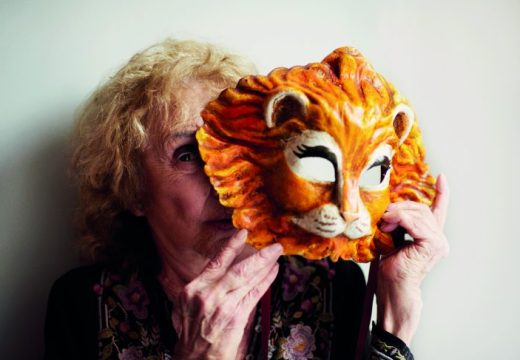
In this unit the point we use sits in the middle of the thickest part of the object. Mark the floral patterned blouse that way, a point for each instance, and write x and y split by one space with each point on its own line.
103 313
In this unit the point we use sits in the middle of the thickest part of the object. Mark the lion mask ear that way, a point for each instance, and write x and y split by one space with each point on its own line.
403 119
285 105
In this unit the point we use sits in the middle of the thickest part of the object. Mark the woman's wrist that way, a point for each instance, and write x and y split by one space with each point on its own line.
399 310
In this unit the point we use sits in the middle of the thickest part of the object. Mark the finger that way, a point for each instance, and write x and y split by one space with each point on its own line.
419 224
189 324
246 252
406 205
245 270
394 216
440 204
245 287
234 311
423 227
251 299
177 322
388 227
219 265
200 295
396 210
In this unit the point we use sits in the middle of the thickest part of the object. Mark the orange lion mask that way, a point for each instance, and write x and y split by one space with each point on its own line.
311 156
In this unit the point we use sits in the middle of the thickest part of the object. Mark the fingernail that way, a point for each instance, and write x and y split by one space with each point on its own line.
242 235
274 249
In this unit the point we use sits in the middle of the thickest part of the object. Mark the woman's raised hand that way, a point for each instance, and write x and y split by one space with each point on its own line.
402 272
211 313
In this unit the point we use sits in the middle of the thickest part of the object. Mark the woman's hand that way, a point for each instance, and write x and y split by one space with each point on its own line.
211 313
402 272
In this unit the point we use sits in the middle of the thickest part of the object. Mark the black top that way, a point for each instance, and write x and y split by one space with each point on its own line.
109 312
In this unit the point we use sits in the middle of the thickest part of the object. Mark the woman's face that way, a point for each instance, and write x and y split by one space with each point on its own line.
180 205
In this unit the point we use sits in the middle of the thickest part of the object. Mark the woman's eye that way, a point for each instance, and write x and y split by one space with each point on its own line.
376 174
187 153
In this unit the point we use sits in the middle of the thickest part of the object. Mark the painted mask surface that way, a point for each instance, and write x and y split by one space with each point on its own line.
311 156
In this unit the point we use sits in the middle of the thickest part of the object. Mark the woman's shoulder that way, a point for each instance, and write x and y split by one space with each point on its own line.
86 283
80 274
71 320
78 282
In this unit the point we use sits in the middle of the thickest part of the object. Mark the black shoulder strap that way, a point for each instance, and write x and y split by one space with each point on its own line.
367 307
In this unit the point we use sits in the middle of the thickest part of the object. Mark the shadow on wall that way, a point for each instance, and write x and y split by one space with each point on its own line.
36 246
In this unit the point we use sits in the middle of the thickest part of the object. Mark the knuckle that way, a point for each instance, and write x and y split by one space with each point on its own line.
227 251
426 253
252 296
268 254
207 331
215 263
423 207
263 256
218 261
409 222
240 270
401 213
223 312
254 293
234 323
184 297
190 290
415 224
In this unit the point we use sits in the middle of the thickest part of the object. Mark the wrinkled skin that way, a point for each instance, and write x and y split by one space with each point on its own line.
401 273
215 308
209 273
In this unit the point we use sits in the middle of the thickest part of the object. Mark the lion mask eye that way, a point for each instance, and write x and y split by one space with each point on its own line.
314 155
376 175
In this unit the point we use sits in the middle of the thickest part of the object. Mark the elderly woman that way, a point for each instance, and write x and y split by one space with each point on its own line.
171 277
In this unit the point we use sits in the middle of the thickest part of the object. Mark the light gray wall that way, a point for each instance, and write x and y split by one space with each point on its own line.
457 62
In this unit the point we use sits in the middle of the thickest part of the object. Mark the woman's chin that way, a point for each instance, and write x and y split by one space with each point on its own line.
214 236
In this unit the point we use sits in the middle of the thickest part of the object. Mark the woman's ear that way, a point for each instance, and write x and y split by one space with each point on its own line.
403 119
284 105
